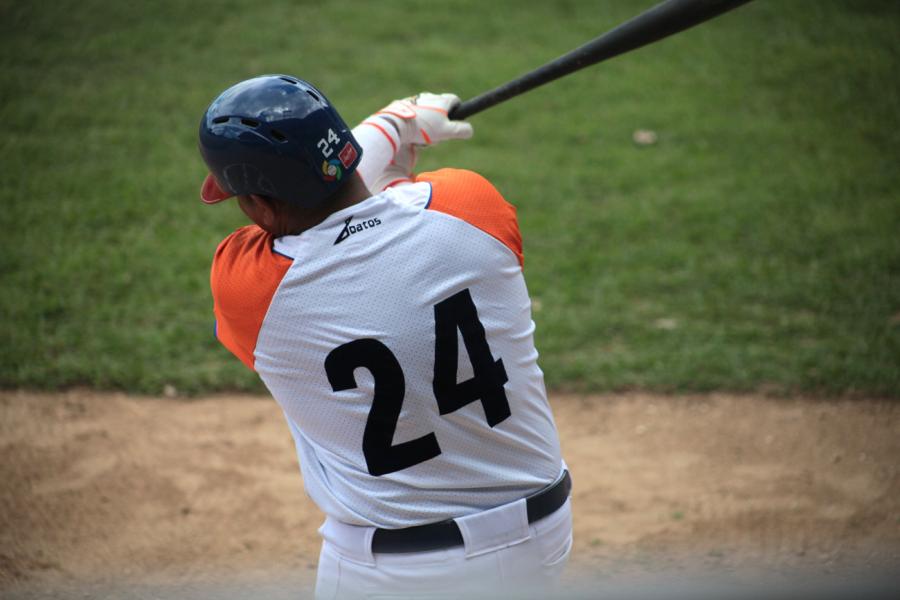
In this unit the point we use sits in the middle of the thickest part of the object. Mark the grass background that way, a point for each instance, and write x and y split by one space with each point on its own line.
755 246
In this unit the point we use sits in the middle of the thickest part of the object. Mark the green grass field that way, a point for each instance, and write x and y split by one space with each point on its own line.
756 246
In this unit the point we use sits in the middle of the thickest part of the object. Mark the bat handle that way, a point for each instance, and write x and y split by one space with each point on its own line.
474 105
460 111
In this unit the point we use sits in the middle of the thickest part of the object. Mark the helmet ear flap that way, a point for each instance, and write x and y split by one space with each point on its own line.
276 136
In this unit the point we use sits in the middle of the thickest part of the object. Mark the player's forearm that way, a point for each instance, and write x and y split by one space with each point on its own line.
381 143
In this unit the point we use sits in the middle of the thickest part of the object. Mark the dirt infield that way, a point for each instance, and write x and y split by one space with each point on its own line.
104 488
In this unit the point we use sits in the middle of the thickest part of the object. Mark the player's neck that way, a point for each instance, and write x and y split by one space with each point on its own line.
353 192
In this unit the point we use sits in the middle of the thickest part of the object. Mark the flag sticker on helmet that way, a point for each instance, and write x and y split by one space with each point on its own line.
331 170
347 155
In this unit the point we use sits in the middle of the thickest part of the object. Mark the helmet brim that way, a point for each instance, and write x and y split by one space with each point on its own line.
211 192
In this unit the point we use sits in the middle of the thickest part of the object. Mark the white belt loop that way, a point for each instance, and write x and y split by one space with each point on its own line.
493 529
354 542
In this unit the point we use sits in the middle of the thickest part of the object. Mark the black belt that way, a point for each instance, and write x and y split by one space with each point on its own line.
446 534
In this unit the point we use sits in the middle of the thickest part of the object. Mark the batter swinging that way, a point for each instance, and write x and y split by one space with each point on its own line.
387 314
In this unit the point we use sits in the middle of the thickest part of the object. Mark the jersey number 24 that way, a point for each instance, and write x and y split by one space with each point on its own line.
486 385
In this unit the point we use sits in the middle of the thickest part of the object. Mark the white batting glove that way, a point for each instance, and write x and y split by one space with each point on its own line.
389 137
423 120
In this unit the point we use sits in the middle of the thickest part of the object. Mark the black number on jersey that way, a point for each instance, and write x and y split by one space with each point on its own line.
458 312
381 455
455 313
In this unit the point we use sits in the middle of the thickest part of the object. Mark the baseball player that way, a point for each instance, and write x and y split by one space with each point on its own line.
387 314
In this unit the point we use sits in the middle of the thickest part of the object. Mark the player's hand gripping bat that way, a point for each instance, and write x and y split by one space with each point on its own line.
660 21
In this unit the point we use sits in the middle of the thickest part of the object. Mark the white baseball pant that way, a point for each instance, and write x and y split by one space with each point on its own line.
500 558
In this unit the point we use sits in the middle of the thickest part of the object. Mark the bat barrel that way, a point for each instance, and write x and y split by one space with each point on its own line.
660 21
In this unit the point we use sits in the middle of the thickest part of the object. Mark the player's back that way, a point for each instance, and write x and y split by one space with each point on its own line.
398 341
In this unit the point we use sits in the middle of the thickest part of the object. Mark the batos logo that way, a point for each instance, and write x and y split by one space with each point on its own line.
349 229
331 170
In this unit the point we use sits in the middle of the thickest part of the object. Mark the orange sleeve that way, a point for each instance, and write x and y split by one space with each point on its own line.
470 197
245 274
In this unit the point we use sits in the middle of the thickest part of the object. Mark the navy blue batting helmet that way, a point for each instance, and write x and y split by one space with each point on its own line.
275 136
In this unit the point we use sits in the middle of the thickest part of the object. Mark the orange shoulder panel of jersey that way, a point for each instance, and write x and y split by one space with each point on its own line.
470 197
245 274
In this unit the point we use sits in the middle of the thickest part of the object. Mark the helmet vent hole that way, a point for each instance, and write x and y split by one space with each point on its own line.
278 135
316 98
288 80
250 122
219 120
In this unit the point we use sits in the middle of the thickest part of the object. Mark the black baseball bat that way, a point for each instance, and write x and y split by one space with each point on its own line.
660 21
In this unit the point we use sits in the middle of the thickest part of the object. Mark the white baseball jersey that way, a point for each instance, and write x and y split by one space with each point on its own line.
397 337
